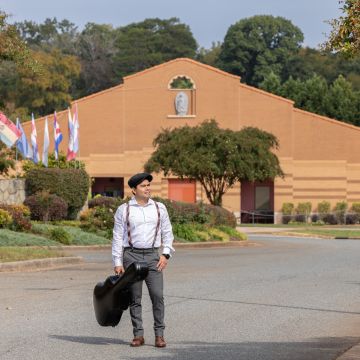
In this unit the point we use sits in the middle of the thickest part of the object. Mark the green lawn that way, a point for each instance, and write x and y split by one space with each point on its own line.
12 238
78 236
16 253
348 233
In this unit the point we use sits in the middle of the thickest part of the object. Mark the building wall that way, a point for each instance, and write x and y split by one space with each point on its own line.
118 125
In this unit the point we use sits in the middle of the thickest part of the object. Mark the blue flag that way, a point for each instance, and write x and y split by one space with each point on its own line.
22 144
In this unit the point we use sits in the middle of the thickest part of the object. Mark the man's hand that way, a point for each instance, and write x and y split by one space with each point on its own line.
161 265
118 270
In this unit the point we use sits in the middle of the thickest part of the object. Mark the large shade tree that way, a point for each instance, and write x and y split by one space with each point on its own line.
258 45
217 158
345 34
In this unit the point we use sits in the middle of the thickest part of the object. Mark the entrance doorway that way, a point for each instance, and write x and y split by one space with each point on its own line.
182 190
257 202
113 186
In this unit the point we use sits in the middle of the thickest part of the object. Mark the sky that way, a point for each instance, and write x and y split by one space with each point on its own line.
208 19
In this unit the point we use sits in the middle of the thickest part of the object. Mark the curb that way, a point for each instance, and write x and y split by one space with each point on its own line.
40 264
212 244
351 354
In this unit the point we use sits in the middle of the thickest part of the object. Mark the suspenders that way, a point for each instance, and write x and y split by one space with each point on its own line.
128 223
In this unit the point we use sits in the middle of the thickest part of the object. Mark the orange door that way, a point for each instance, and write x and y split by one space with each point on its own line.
182 190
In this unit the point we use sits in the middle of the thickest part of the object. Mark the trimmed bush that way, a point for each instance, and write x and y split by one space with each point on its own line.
72 185
340 211
60 235
46 207
303 211
287 210
5 219
356 207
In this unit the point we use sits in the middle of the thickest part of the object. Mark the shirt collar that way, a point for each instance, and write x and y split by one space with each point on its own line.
134 202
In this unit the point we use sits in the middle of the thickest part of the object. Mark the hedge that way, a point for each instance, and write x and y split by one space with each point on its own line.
70 184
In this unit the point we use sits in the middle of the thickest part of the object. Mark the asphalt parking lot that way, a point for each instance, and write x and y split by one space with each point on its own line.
292 299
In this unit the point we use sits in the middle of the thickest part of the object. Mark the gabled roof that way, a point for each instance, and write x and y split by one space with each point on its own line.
193 62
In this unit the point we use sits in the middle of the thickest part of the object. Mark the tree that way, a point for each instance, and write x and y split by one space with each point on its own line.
96 50
258 45
342 102
49 35
50 91
215 157
152 42
210 56
345 34
12 48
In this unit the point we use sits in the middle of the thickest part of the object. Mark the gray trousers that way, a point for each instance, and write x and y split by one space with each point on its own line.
154 283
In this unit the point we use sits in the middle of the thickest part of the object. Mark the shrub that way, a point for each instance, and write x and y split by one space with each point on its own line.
340 210
287 208
356 207
303 211
46 207
72 185
185 232
60 235
5 219
286 219
181 213
20 217
323 209
106 201
352 218
329 219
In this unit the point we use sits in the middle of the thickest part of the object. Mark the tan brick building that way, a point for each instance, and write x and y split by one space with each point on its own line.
117 126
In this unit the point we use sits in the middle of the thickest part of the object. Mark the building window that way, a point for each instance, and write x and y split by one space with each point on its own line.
181 82
182 96
262 198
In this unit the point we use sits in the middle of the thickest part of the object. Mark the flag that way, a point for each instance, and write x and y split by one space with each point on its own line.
22 144
46 144
35 155
57 136
70 153
76 130
9 133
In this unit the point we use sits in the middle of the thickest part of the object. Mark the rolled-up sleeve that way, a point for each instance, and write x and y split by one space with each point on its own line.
167 235
118 237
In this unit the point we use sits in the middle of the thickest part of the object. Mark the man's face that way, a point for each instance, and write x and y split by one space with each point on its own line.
143 190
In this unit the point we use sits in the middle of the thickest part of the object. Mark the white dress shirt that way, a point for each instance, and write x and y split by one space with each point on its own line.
143 221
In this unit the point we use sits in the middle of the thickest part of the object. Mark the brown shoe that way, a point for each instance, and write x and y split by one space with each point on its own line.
160 342
137 341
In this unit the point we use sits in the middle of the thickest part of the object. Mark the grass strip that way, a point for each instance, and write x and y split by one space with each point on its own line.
351 234
14 253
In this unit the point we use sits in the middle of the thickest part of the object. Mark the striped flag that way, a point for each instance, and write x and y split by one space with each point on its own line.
46 144
76 130
36 156
22 144
70 153
9 133
57 136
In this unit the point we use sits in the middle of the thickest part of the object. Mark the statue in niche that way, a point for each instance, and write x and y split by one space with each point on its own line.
181 104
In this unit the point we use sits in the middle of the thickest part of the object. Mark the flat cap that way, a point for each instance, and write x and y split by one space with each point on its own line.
136 179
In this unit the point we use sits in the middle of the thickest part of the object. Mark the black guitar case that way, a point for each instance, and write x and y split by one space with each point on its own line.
112 296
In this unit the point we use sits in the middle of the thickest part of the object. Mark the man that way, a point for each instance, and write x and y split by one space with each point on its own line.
141 227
